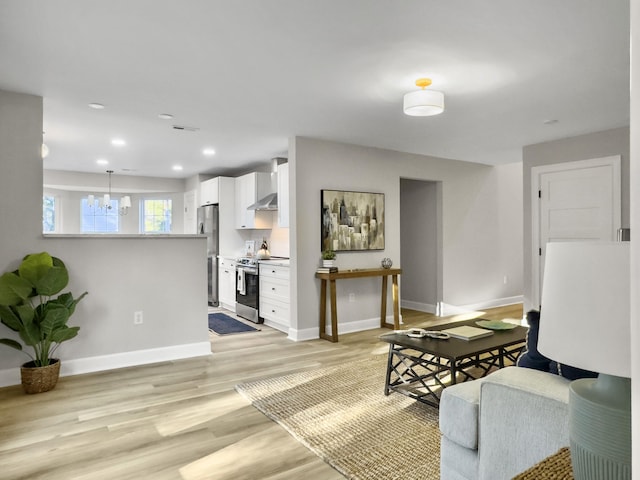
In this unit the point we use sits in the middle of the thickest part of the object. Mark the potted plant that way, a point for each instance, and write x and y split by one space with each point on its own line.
328 257
29 306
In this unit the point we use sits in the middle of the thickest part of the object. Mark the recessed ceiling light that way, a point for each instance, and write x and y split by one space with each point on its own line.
177 168
165 116
208 152
550 121
97 106
118 142
102 161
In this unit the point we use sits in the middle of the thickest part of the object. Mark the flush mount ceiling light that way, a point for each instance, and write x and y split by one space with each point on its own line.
423 103
118 142
208 152
165 116
96 106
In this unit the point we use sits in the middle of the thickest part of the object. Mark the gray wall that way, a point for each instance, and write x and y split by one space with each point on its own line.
420 229
584 147
634 214
164 278
482 225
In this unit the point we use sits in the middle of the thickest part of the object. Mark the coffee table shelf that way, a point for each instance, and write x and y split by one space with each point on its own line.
421 367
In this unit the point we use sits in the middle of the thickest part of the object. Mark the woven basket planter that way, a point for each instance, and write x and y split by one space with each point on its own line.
40 379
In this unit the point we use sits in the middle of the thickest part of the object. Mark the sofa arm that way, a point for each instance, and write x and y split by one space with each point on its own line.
523 419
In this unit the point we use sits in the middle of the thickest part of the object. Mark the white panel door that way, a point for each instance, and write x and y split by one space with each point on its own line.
577 201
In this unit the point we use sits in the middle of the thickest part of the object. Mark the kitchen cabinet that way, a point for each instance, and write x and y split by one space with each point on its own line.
250 188
210 191
227 283
274 296
283 195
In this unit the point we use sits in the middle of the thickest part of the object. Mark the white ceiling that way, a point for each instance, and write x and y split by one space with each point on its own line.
252 73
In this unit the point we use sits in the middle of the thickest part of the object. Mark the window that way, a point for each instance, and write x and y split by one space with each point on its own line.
156 216
97 218
48 214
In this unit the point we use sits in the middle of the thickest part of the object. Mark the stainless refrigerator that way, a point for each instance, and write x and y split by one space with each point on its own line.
208 225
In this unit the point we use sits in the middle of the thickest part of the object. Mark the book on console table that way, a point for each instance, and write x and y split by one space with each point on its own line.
327 270
467 332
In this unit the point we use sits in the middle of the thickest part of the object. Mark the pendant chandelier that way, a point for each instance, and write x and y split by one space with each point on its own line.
105 200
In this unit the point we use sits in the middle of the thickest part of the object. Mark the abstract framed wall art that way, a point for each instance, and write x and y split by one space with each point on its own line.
351 221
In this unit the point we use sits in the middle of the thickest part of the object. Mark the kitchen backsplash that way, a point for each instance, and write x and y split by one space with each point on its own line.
277 238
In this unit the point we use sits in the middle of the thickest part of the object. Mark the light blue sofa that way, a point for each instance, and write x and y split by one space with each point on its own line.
498 426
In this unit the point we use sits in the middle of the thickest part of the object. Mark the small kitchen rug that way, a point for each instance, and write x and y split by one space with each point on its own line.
223 324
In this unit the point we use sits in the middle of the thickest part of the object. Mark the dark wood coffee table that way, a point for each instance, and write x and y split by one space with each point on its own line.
421 367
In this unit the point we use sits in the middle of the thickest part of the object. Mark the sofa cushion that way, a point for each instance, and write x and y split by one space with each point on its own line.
531 357
459 413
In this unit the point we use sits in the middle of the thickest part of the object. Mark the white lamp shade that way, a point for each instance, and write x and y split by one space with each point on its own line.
585 311
125 202
91 200
423 103
106 200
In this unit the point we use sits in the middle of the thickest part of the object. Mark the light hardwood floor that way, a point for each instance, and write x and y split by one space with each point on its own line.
178 420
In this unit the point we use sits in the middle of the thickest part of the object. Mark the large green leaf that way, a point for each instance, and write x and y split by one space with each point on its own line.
10 318
52 281
64 334
68 301
25 312
35 266
31 334
13 289
55 318
11 343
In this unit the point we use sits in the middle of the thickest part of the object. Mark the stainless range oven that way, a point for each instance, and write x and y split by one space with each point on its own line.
247 289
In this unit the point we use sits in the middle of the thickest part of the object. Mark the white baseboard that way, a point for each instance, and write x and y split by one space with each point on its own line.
420 307
276 325
346 327
448 309
303 335
100 363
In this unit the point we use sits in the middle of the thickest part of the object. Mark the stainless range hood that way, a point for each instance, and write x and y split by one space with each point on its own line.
270 202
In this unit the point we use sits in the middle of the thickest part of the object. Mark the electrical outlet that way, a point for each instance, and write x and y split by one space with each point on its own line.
352 297
137 318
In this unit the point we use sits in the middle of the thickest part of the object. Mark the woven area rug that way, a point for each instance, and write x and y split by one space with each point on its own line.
342 415
223 324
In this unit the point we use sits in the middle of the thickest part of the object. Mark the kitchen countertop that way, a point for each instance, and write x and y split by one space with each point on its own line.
282 262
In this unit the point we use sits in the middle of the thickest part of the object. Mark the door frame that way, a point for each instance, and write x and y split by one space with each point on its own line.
613 161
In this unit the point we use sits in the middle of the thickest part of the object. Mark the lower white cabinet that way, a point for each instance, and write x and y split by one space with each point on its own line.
227 283
274 296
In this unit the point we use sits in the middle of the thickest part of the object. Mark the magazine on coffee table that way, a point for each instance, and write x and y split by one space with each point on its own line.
467 332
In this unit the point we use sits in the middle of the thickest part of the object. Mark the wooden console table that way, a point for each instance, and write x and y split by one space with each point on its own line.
357 273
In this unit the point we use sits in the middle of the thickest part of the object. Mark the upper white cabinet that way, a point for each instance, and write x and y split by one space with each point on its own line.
210 191
283 195
249 189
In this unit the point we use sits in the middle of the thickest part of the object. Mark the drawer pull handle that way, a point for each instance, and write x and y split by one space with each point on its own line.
273 311
273 271
273 288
